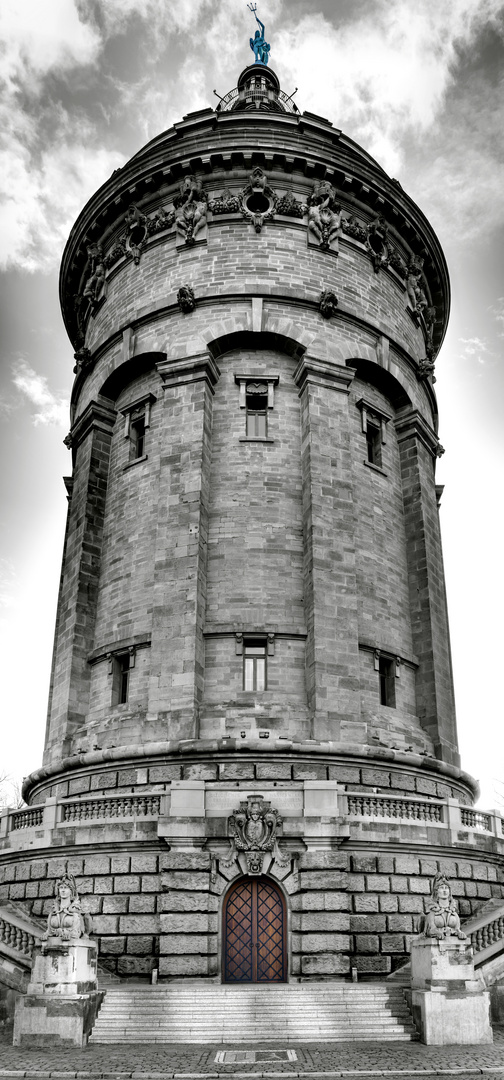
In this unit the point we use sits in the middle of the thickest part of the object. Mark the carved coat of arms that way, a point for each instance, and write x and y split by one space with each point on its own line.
253 829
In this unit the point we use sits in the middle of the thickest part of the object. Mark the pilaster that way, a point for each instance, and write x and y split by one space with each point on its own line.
332 660
177 649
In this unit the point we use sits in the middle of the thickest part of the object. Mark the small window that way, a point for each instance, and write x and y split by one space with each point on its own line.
374 441
137 438
121 668
257 410
254 665
386 668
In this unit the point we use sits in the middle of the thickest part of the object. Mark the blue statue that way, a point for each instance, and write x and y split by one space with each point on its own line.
259 46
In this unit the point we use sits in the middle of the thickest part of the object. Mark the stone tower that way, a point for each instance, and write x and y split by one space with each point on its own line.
251 734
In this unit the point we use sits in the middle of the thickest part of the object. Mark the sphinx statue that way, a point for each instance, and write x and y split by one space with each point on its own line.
66 920
441 919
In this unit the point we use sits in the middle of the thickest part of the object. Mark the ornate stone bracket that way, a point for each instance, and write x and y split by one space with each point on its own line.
377 243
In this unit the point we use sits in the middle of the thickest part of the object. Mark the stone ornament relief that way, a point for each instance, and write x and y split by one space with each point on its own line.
327 304
190 209
186 299
324 215
257 203
253 830
441 920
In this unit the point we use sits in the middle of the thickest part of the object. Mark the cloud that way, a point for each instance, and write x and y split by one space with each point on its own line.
498 313
476 347
49 408
36 41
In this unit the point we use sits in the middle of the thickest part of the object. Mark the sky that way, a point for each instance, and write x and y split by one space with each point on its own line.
83 85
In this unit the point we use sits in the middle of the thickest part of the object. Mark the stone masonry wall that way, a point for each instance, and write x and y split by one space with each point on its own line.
162 909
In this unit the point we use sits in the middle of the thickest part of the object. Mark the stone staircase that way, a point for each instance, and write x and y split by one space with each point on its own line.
191 1013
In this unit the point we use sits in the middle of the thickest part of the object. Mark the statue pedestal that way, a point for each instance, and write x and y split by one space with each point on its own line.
62 1000
447 1003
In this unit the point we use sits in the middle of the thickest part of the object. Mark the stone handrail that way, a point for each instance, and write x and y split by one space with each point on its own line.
18 937
486 931
146 805
27 819
361 804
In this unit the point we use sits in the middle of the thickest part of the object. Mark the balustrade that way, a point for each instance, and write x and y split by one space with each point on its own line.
123 806
27 819
379 806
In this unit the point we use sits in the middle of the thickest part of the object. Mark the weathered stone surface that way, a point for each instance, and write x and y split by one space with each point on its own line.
134 965
112 946
175 879
139 945
320 880
183 965
201 771
318 860
314 943
186 860
368 924
274 770
186 901
372 965
120 864
364 864
139 924
236 770
114 905
309 771
180 944
160 773
144 864
325 921
142 904
407 864
366 902
325 965
190 922
367 943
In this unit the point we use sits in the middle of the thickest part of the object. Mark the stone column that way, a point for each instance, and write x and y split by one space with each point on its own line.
332 656
177 650
74 636
429 619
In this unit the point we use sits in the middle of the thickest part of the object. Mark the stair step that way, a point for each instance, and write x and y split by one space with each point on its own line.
217 1014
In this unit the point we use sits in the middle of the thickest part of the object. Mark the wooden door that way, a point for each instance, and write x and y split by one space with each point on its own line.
254 932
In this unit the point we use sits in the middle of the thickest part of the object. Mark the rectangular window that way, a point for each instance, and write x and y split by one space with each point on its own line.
137 438
121 668
387 682
254 665
257 411
374 440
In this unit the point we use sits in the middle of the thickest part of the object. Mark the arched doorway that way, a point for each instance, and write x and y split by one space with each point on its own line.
254 932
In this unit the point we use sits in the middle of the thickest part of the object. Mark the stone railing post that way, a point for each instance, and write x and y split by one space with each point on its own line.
52 814
4 822
452 815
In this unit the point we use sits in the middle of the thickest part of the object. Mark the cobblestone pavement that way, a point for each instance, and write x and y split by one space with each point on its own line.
166 1061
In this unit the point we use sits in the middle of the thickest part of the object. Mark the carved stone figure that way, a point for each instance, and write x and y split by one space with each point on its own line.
328 304
82 359
425 369
258 43
442 919
324 214
66 920
377 242
186 299
430 321
353 228
190 209
416 294
137 231
96 279
253 829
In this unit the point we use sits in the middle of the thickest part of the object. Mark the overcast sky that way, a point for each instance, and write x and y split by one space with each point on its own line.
84 84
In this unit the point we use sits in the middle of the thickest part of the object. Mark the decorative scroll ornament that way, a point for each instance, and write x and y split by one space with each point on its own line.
190 209
66 920
324 214
253 829
377 243
442 919
137 231
258 201
186 299
328 304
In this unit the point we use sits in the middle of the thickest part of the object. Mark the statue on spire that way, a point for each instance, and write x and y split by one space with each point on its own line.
258 44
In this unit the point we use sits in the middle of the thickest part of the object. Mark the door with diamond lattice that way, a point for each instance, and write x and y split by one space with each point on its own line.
254 932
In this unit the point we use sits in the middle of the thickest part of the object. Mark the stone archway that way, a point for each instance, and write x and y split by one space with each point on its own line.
254 932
